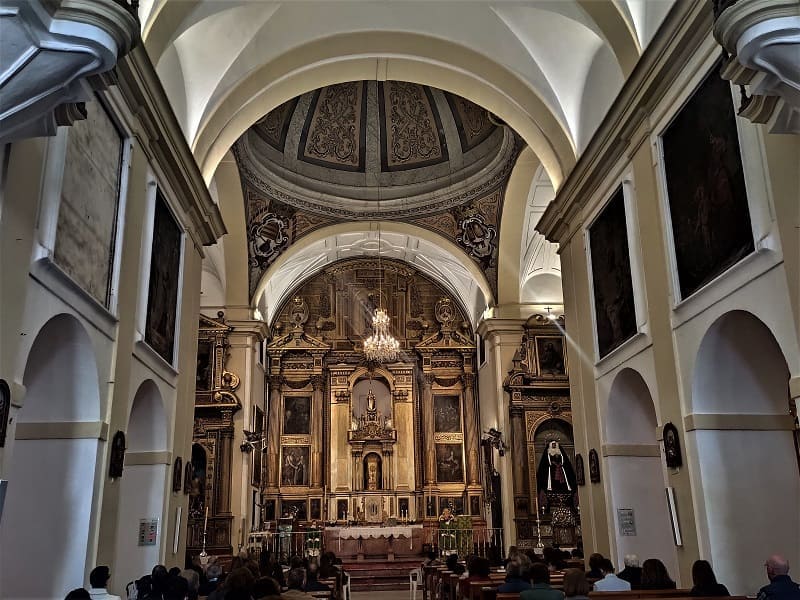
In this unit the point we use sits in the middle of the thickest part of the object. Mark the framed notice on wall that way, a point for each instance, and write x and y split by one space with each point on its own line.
148 532
627 523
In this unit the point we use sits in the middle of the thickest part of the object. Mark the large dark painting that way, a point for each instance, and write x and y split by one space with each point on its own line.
705 184
296 415
447 414
203 373
297 509
162 296
295 465
550 355
611 276
449 463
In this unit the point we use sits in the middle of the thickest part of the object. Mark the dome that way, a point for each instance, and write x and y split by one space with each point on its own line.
368 149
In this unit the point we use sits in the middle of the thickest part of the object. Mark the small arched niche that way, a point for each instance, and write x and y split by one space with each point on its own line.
635 474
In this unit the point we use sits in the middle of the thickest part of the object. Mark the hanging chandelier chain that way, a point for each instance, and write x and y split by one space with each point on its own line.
381 346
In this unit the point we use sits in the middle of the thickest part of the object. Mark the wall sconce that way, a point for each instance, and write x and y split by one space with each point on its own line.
494 439
252 441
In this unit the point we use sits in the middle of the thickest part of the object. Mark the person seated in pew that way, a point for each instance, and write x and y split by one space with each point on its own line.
541 590
576 586
296 581
478 570
781 586
312 579
552 556
518 577
266 588
705 582
594 566
632 571
453 565
610 582
655 576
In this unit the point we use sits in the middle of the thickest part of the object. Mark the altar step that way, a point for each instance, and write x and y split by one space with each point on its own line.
379 574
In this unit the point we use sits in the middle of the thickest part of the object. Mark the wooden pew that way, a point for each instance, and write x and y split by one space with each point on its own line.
639 594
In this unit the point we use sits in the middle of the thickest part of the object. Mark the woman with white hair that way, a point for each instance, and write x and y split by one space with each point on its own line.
632 573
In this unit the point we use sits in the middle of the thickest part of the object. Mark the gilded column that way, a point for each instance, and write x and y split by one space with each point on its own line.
318 383
274 430
471 430
520 454
223 465
427 418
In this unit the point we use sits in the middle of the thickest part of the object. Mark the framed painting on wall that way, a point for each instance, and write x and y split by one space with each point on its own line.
295 464
162 295
447 414
614 308
550 356
706 192
296 415
449 463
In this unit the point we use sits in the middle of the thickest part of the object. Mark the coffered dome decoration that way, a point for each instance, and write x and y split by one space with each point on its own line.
339 150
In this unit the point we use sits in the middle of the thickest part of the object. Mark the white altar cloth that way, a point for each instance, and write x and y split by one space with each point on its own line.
377 532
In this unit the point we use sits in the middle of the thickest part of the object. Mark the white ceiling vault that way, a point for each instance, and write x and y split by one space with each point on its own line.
548 68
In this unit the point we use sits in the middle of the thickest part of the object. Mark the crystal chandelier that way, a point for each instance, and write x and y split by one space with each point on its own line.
381 347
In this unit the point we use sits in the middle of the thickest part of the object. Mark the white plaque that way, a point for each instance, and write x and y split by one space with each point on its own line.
148 532
627 523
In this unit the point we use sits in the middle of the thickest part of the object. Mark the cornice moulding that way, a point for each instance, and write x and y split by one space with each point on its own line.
744 14
166 144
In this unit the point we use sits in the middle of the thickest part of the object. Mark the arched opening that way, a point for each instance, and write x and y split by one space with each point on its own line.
55 456
636 477
373 474
746 468
142 487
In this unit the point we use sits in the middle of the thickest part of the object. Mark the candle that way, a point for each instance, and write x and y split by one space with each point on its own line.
536 500
205 521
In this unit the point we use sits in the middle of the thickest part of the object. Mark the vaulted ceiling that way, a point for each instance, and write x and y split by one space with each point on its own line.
549 69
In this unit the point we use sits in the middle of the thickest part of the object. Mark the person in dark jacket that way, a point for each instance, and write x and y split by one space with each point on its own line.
632 573
518 576
594 566
705 582
780 587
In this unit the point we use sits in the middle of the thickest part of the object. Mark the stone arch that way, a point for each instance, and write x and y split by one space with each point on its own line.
406 56
741 448
143 485
56 454
635 475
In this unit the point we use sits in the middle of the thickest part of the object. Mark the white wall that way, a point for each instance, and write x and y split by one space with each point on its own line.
141 497
45 528
637 483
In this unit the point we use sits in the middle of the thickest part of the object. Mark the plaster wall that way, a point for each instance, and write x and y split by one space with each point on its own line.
665 349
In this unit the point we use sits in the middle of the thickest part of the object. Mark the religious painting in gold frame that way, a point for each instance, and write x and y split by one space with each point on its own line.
551 358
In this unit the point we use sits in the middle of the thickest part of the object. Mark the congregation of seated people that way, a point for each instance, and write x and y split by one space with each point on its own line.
245 579
531 576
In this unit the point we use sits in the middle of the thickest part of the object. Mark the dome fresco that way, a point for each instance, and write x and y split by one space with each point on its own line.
363 148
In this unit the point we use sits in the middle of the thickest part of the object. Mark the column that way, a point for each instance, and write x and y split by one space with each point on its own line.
223 465
318 383
472 444
274 430
519 458
427 420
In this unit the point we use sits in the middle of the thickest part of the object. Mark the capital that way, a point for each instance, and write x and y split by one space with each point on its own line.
317 382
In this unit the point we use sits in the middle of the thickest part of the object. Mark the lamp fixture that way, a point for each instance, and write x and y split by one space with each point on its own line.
381 346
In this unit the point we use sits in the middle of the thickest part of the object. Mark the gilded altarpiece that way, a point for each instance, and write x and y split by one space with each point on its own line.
364 438
545 494
208 470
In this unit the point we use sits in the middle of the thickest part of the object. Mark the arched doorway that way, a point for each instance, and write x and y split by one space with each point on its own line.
48 511
744 452
142 487
636 477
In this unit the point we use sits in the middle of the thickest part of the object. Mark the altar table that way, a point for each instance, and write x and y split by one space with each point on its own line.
376 532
